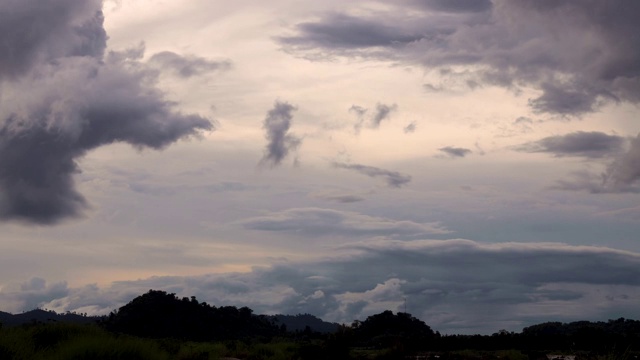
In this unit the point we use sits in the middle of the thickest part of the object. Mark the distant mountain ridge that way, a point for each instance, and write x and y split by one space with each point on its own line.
43 316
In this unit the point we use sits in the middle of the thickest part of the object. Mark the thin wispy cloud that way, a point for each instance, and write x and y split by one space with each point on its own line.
392 178
455 152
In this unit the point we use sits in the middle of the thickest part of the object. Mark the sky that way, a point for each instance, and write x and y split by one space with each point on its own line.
474 162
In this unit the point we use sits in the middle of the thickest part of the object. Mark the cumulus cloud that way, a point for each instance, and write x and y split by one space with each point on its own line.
36 32
455 152
187 66
455 286
584 144
392 178
578 55
329 222
280 141
62 97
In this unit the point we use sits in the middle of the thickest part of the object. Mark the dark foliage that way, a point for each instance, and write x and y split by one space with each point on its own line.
300 322
400 331
158 314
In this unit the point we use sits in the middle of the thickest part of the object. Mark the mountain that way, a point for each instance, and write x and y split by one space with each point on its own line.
43 316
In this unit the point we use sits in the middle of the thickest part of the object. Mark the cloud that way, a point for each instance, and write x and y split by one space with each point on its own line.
383 112
187 66
584 144
455 151
620 176
32 294
345 32
281 142
67 98
340 198
577 55
36 32
329 222
455 286
392 178
454 6
410 128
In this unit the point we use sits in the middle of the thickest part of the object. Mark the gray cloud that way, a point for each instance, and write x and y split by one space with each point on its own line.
67 99
455 286
625 170
187 66
455 151
34 32
392 178
621 175
281 142
341 198
345 32
410 128
383 112
585 144
32 294
329 222
580 55
455 6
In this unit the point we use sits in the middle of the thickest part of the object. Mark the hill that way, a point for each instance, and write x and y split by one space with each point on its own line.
44 316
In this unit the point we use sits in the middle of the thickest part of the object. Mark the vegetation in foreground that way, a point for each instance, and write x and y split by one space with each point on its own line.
158 325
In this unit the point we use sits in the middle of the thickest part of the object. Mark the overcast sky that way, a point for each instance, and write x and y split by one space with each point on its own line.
480 159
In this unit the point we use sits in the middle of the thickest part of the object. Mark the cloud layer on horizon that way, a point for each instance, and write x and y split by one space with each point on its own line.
456 286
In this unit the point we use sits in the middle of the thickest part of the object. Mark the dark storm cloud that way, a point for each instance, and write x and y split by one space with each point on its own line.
580 54
35 31
187 66
281 142
67 100
329 222
392 178
455 151
585 144
455 286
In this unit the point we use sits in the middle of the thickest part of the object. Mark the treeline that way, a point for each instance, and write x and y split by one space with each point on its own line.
163 318
620 335
158 314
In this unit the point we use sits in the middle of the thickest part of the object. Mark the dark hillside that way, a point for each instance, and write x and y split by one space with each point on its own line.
158 314
44 316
